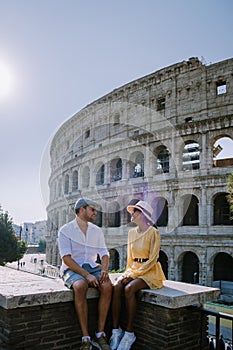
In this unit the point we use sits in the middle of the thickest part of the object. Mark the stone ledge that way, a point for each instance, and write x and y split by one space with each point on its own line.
22 289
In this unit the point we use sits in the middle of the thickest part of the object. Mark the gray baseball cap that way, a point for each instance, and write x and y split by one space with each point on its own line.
83 202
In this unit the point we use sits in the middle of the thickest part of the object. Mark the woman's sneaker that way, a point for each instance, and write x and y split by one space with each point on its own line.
127 341
116 337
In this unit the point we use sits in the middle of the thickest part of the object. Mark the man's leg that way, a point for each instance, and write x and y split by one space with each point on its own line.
80 288
105 289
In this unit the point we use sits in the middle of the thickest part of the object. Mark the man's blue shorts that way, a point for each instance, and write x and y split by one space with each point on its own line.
70 276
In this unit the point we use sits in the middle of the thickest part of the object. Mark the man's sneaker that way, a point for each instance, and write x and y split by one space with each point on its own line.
126 342
115 339
101 343
86 345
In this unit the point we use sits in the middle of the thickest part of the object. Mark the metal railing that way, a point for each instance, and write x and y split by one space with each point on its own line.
218 316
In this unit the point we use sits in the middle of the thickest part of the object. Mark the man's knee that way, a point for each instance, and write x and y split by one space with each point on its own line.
80 287
106 287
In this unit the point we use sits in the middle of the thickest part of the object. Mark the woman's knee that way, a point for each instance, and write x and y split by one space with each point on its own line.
129 290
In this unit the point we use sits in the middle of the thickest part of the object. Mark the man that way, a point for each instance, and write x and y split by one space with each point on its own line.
80 242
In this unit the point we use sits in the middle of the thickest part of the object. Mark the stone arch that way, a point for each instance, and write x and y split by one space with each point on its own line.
86 177
191 156
223 267
115 169
136 164
222 151
66 184
114 260
100 173
99 217
74 181
190 210
162 159
221 210
114 215
160 211
189 267
59 188
63 219
163 259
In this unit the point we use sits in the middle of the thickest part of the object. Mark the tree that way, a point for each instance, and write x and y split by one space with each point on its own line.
230 190
10 248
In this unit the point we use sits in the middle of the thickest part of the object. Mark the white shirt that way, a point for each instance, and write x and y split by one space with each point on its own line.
83 248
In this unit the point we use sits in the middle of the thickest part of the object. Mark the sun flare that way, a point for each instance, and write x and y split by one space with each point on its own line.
6 80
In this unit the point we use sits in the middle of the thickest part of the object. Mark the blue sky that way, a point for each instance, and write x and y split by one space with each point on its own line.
61 55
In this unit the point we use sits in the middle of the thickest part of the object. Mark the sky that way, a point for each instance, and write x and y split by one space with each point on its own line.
57 56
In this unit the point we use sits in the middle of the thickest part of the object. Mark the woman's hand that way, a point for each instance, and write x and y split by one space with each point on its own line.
126 280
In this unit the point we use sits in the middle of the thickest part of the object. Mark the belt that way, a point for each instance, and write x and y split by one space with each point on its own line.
140 260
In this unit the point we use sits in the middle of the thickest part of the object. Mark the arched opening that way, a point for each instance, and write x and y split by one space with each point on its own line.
116 170
66 184
223 152
190 211
223 267
86 177
74 181
163 259
191 156
160 213
99 218
163 160
114 215
190 268
222 214
100 175
114 260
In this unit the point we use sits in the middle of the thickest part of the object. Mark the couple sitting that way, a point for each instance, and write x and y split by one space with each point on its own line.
80 242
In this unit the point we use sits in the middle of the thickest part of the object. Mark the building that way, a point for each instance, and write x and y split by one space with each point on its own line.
156 139
33 232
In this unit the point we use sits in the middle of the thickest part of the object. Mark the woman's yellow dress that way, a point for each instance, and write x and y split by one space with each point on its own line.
145 246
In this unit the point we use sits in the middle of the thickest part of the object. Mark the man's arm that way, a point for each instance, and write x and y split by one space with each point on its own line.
104 277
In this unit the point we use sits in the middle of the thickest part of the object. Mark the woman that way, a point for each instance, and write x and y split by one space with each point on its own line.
142 271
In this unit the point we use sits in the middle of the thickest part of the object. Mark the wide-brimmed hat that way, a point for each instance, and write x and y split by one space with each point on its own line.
144 207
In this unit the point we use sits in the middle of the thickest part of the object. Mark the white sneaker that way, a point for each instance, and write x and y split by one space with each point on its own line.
115 339
126 342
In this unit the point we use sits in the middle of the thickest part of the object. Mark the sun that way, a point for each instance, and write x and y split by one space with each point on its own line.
6 80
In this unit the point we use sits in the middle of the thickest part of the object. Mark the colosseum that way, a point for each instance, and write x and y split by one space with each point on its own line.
156 139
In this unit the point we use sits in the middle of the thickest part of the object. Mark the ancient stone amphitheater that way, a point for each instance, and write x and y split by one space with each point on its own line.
156 139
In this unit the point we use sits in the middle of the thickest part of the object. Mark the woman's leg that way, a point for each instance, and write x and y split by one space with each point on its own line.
130 299
116 304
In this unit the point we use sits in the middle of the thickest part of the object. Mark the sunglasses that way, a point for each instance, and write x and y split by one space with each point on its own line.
92 209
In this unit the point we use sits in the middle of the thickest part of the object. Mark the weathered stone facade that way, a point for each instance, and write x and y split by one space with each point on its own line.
154 139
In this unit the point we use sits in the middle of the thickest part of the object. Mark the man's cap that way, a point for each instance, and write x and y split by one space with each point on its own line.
83 202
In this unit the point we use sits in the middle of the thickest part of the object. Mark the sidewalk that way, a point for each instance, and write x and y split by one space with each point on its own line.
36 264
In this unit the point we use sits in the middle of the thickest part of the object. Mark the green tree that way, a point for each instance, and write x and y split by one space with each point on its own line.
10 248
230 190
42 245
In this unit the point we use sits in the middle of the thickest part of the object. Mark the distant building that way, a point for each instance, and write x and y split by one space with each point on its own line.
33 232
167 125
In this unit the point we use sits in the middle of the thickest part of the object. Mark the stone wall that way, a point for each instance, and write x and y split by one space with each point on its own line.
38 313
